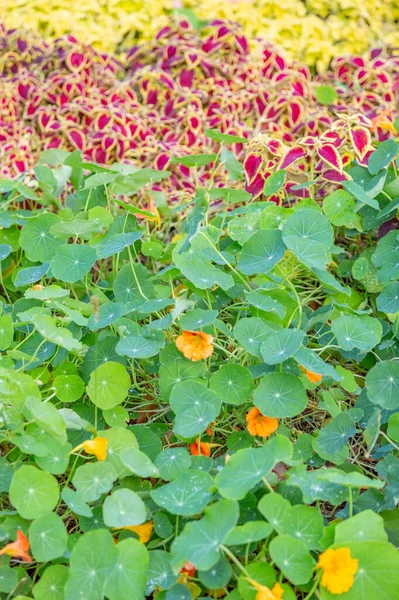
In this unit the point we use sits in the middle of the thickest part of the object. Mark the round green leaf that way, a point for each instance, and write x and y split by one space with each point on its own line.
217 577
135 346
33 492
107 314
72 262
251 333
109 385
132 285
305 523
172 462
382 382
160 574
128 578
263 250
388 300
6 332
252 531
292 558
68 388
138 463
48 537
179 592
51 584
281 345
93 479
280 395
186 495
37 241
197 319
232 383
260 572
123 507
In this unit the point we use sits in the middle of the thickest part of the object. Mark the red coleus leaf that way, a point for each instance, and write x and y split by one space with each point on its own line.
330 155
361 140
334 176
252 165
293 155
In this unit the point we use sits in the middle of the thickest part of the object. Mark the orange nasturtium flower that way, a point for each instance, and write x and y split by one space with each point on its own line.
189 568
202 448
313 377
19 548
195 345
265 593
260 425
144 531
381 121
97 447
339 570
156 217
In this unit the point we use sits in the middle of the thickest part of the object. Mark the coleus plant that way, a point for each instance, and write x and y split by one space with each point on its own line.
199 401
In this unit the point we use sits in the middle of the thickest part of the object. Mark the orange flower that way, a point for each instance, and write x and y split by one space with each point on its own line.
37 287
97 447
338 568
18 549
144 531
156 216
195 345
202 448
381 121
265 593
189 568
260 425
313 377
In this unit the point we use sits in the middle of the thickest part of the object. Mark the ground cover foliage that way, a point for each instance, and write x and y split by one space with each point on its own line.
314 31
212 386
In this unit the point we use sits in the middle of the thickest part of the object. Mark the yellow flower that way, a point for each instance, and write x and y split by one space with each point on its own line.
260 425
339 570
97 447
265 593
144 531
195 345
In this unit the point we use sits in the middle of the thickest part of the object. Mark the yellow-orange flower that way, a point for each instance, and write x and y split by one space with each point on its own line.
383 122
195 345
144 531
19 548
202 448
155 217
97 447
265 593
339 570
313 377
260 425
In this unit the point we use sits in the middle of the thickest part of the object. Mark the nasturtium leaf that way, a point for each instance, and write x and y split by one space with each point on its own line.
50 292
200 541
363 527
51 583
274 183
46 416
242 227
186 495
388 300
275 509
119 439
314 488
138 346
101 352
252 531
33 492
8 579
340 209
109 385
334 436
57 459
261 252
138 463
6 473
309 235
218 576
263 300
351 479
382 383
72 262
61 336
232 165
149 441
280 395
74 501
260 572
195 419
305 523
179 592
386 257
281 345
107 314
113 244
93 479
160 573
293 559
6 332
5 250
172 462
326 94
132 285
251 332
92 562
31 274
123 507
128 578
246 467
48 537
381 157
393 427
77 228
37 241
377 574
357 331
68 388
197 319
232 383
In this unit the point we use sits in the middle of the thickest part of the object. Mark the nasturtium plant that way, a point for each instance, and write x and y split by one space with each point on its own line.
199 399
